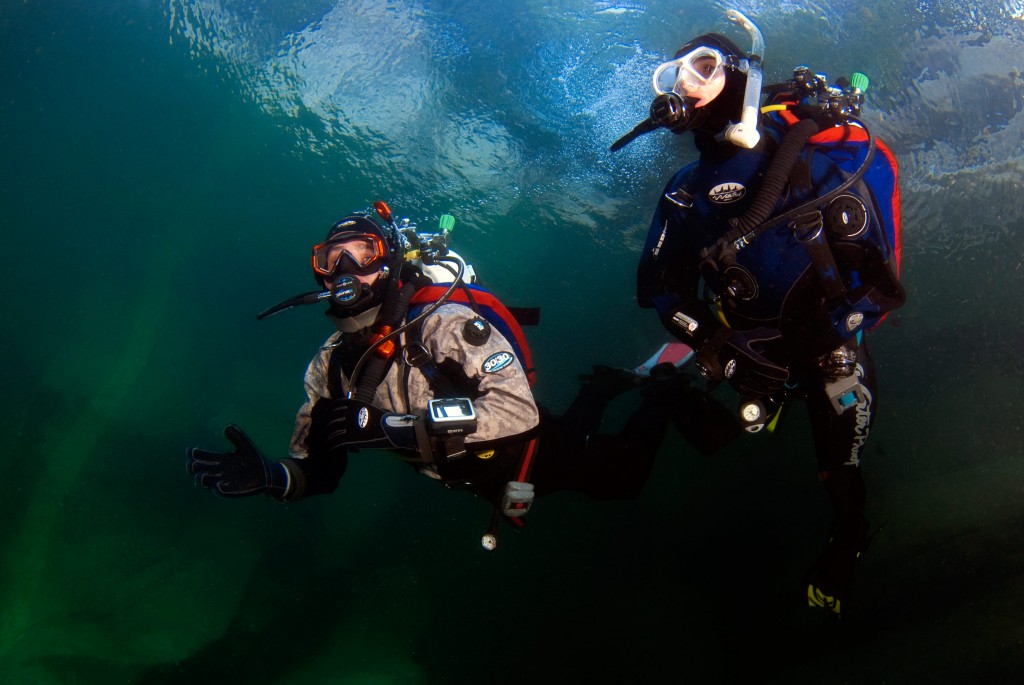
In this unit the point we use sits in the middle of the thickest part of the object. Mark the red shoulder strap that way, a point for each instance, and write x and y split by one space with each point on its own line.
490 305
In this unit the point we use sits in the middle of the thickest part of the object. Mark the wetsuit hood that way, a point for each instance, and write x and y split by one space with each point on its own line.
726 108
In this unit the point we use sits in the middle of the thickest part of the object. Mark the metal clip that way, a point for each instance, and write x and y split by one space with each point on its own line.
517 499
846 392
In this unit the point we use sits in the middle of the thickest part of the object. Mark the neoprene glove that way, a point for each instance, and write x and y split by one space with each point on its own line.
240 473
341 423
737 356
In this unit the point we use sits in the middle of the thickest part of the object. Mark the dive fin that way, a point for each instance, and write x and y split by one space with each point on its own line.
675 353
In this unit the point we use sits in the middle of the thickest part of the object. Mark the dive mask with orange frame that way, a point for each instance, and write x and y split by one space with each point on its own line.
357 254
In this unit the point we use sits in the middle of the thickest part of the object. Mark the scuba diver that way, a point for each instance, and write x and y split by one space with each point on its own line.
774 254
431 366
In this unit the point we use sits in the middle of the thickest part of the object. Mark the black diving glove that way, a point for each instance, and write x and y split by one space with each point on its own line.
240 473
343 423
738 356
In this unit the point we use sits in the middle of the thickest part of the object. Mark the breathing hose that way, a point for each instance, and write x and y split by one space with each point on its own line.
376 364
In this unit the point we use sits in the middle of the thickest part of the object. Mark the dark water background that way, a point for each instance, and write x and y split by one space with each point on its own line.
166 167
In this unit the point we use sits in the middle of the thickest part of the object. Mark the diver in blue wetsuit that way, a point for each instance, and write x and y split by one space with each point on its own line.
774 253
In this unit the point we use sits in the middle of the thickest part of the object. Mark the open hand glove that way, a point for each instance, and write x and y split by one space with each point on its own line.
240 473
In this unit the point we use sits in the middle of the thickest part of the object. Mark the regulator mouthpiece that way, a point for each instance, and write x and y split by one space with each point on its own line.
671 111
668 110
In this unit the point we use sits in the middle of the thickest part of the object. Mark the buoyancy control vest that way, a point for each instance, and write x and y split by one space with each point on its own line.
812 272
513 459
486 305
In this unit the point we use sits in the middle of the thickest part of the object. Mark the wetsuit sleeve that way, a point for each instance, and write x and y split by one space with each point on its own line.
668 274
311 473
315 385
505 407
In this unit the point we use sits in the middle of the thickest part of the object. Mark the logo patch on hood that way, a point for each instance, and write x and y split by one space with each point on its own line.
725 193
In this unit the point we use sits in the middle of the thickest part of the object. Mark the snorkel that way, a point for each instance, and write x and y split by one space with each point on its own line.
679 108
745 134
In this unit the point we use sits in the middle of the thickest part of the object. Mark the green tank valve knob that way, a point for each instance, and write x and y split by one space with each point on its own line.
446 222
860 81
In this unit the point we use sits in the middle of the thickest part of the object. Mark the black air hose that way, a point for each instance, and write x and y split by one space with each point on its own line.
774 179
396 308
369 373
